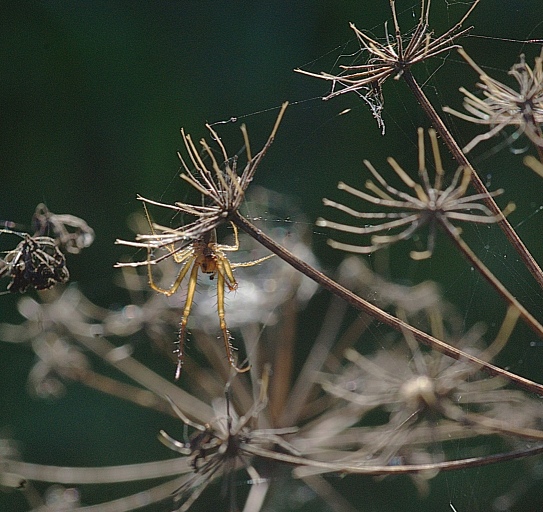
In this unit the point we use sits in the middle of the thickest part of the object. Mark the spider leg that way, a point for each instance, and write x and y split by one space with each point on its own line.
251 263
225 277
175 286
193 279
224 268
234 247
227 266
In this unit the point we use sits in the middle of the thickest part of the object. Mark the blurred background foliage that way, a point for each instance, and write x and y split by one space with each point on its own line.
93 95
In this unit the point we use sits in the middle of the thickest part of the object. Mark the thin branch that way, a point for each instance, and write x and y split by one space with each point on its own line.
374 311
367 469
120 358
102 474
490 277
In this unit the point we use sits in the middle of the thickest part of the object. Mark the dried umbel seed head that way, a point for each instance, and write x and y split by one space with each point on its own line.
418 392
427 204
226 444
391 58
36 262
503 106
222 185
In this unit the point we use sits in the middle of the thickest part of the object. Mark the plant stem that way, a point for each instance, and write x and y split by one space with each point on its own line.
377 313
491 278
461 158
121 359
304 465
102 474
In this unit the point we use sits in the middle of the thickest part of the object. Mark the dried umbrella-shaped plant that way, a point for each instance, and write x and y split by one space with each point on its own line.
36 262
218 444
237 434
503 106
223 446
429 205
221 184
391 58
426 385
428 399
223 437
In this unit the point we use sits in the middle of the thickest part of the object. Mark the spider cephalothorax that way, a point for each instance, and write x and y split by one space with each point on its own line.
210 258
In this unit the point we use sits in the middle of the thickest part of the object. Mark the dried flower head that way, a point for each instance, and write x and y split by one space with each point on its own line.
503 106
195 246
223 446
221 184
429 399
36 262
391 58
430 204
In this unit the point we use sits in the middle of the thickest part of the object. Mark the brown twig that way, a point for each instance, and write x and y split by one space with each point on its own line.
374 311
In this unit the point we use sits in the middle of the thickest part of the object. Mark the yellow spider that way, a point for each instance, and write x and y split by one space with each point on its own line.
207 255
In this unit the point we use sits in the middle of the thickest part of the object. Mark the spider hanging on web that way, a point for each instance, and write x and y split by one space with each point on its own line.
206 255
194 245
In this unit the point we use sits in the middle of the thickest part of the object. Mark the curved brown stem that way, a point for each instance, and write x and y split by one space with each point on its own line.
377 313
491 278
306 466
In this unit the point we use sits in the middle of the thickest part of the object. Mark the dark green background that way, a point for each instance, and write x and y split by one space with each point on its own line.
92 98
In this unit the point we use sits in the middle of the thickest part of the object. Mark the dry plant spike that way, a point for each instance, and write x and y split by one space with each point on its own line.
391 58
38 260
503 106
534 164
